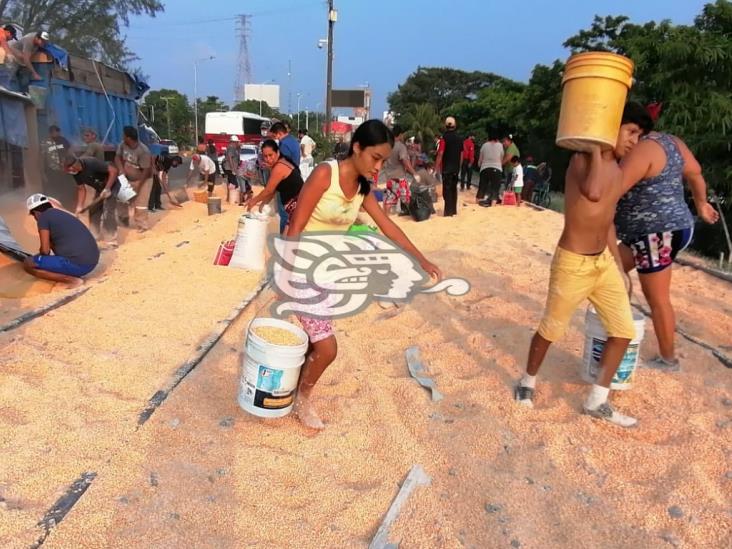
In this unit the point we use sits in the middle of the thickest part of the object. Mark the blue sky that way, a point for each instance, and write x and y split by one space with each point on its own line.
377 42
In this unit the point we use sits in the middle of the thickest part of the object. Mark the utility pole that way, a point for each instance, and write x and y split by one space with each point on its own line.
332 18
167 112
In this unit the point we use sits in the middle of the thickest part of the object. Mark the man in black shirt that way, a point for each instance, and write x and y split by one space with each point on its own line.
449 153
102 177
162 164
340 151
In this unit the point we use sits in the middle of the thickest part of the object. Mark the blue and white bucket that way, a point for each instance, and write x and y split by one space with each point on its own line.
270 372
595 338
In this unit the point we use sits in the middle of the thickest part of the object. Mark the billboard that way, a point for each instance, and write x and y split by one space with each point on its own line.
269 93
349 98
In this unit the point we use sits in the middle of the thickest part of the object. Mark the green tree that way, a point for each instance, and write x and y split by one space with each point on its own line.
439 87
537 121
497 107
210 104
173 114
421 122
89 28
253 106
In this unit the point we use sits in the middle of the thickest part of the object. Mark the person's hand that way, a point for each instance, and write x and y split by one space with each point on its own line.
593 150
417 178
431 269
106 193
708 213
250 204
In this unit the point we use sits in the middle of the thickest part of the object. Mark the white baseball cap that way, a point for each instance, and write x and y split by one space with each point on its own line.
234 138
44 36
36 200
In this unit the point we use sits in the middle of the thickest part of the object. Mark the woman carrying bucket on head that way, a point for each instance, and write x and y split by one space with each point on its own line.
284 179
330 201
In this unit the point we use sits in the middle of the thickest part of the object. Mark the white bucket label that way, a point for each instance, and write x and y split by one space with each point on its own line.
269 388
627 364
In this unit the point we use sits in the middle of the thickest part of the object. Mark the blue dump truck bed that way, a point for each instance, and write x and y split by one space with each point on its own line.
82 93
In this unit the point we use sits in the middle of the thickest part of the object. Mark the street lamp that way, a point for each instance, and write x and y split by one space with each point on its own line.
332 18
299 96
195 92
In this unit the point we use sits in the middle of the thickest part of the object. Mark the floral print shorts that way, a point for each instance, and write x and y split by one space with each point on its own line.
317 329
656 251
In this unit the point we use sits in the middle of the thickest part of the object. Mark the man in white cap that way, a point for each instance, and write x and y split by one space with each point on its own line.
75 252
449 154
23 50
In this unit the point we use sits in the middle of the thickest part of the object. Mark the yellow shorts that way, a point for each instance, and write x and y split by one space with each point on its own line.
576 277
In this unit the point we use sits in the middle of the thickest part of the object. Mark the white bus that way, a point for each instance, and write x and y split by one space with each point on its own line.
248 127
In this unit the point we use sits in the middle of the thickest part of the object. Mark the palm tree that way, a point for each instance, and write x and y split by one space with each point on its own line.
422 122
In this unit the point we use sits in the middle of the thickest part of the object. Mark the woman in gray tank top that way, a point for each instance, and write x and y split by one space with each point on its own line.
654 224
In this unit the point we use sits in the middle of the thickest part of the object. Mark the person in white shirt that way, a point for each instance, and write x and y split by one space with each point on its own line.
517 178
206 168
307 147
491 171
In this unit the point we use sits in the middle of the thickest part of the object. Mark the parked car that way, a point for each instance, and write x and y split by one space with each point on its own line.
246 153
172 146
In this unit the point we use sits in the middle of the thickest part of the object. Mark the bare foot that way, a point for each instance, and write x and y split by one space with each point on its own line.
306 413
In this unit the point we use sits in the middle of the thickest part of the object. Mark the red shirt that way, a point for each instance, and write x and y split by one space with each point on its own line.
469 150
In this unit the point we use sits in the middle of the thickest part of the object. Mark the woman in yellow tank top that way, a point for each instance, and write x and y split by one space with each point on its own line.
330 201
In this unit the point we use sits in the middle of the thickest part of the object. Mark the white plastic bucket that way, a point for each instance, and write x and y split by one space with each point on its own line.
251 240
234 196
270 372
125 192
595 338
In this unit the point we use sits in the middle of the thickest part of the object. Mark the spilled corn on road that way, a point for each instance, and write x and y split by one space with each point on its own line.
203 473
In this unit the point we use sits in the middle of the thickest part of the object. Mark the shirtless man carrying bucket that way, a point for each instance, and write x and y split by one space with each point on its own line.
587 265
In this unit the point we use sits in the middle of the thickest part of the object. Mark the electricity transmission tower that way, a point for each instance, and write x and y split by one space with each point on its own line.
244 65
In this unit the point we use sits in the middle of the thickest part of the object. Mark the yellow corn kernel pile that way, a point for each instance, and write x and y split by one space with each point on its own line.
277 336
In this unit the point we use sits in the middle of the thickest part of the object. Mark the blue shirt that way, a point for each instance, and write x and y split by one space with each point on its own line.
655 205
290 147
69 237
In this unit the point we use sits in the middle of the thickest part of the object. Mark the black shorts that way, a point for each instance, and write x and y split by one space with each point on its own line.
495 178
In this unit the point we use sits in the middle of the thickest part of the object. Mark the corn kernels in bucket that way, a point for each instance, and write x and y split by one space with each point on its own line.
274 353
277 336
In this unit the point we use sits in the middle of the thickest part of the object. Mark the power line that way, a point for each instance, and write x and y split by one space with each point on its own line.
232 18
